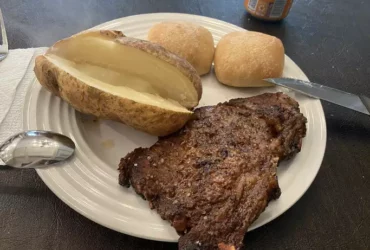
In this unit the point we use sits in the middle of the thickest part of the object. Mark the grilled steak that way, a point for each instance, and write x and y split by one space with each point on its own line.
216 175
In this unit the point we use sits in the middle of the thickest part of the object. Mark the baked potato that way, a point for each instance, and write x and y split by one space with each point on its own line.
114 77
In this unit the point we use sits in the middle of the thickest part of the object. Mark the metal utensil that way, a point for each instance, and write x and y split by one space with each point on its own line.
359 103
4 46
35 148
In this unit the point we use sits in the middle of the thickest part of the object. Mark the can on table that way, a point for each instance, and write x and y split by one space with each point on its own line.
269 10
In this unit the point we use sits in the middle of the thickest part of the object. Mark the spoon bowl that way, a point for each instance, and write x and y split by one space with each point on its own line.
35 148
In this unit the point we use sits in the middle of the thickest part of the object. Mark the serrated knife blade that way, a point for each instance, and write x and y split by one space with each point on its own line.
359 103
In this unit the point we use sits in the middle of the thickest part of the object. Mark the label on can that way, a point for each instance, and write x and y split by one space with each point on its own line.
252 4
269 9
277 8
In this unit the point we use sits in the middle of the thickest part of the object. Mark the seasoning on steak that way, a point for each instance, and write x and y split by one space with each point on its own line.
214 177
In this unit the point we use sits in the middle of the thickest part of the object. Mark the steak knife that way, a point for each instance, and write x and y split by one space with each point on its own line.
359 103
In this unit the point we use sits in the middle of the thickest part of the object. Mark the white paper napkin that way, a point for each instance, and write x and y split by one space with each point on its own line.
16 74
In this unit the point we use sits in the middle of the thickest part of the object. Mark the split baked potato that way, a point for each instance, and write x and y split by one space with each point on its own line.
114 77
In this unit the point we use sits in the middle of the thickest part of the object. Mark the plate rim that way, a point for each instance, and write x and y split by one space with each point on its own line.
167 15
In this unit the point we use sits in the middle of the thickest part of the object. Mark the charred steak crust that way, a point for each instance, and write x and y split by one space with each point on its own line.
214 177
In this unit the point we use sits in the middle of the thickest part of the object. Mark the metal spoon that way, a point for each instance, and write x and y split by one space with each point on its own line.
35 148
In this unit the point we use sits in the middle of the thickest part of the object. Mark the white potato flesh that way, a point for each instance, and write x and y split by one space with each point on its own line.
92 76
124 71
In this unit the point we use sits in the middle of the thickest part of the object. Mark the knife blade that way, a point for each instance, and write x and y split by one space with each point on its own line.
359 103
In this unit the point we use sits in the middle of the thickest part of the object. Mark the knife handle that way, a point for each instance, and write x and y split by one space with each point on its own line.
366 101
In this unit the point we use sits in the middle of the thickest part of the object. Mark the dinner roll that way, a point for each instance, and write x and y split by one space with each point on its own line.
187 40
244 58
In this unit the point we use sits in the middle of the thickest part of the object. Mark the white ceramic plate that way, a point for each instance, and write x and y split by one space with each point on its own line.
89 182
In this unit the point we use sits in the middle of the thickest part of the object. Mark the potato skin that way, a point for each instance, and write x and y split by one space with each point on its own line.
89 100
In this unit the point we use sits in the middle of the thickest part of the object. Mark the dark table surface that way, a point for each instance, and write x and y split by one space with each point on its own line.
328 39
